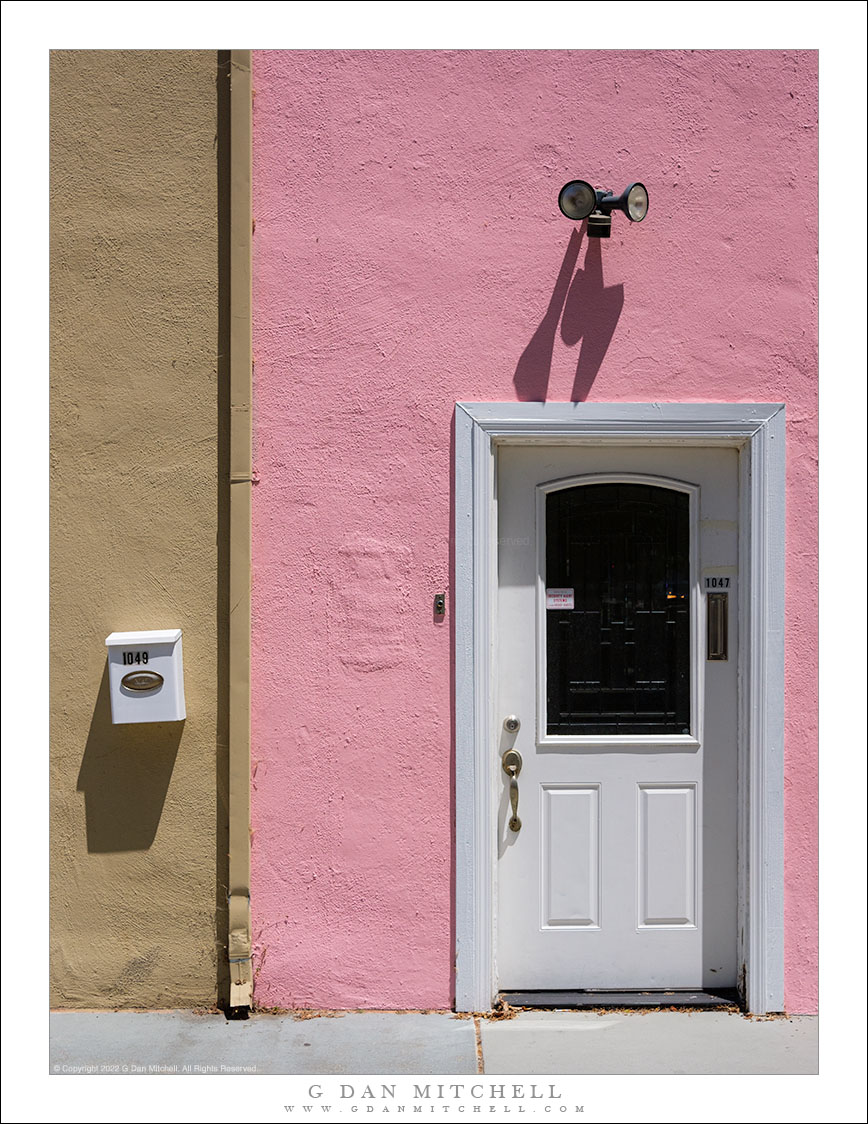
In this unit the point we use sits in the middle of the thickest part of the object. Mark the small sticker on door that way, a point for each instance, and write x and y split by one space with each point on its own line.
560 599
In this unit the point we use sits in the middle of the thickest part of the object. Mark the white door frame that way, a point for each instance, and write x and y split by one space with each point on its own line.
757 431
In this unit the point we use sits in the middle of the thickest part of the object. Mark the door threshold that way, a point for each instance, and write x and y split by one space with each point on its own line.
725 998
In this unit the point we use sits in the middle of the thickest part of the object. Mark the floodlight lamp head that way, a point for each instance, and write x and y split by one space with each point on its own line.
577 199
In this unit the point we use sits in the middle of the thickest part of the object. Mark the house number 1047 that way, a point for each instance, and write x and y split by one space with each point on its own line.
717 583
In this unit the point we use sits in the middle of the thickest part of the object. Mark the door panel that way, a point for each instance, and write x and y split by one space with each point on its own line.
570 855
667 855
623 874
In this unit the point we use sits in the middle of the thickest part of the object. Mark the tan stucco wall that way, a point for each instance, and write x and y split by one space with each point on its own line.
134 522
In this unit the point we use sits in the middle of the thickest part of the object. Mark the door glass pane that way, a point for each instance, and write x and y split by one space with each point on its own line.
618 661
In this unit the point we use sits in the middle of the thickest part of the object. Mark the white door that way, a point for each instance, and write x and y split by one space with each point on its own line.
617 654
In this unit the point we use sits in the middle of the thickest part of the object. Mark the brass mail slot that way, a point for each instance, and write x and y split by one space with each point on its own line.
717 616
142 681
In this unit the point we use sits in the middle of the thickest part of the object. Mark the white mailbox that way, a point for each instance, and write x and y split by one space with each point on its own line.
146 676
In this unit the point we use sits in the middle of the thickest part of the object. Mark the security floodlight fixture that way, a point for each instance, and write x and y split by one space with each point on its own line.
578 200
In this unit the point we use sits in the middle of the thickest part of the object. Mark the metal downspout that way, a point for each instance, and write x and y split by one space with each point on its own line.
240 483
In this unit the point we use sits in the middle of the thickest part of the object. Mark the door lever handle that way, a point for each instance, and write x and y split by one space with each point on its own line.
511 762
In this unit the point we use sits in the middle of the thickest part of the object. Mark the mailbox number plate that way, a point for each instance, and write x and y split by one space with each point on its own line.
134 657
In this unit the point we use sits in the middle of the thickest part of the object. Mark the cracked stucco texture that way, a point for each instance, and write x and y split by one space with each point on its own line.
408 253
133 520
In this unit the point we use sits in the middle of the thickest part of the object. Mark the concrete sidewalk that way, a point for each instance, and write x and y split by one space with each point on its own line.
377 1042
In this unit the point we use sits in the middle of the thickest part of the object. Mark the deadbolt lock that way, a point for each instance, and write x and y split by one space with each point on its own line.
512 724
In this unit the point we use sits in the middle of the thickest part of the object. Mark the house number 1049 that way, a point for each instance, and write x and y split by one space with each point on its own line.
135 657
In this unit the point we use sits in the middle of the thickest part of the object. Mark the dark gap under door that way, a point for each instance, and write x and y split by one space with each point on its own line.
576 1000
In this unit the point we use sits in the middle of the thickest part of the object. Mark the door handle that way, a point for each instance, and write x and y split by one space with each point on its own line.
511 762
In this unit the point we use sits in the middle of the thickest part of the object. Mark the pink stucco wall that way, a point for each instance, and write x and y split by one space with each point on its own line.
409 253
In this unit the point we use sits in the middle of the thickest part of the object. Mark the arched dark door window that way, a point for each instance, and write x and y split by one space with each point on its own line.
618 662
